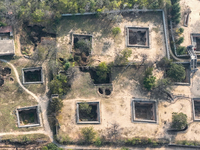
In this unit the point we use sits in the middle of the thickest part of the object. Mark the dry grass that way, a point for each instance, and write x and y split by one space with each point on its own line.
13 97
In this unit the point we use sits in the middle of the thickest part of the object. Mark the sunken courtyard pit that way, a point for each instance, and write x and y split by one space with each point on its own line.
82 46
32 75
28 116
88 112
144 111
137 37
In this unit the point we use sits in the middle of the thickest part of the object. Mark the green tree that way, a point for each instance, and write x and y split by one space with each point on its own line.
102 72
59 85
180 40
179 120
56 87
181 50
38 15
88 134
85 108
176 72
175 9
149 82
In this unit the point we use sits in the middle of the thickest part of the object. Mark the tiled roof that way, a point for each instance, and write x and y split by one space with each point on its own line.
6 29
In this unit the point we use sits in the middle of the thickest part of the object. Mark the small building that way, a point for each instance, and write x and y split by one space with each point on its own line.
7 46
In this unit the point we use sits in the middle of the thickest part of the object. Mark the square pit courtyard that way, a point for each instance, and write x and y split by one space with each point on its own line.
147 26
28 117
32 75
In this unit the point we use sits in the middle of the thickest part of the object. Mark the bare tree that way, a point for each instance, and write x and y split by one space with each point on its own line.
114 132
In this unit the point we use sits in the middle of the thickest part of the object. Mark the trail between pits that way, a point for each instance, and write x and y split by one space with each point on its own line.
43 103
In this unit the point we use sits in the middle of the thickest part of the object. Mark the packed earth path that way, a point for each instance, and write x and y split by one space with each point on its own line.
43 103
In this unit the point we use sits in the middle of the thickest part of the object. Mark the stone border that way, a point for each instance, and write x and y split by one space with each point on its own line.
31 68
193 109
145 101
137 27
183 146
30 125
76 34
88 122
191 36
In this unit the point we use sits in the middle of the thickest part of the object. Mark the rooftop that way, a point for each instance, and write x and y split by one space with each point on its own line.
7 47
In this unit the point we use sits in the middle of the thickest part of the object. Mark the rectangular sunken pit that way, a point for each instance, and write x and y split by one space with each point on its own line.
195 38
196 109
144 111
28 116
137 37
32 75
88 113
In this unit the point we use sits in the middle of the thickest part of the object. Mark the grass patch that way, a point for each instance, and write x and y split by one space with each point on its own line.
25 139
13 97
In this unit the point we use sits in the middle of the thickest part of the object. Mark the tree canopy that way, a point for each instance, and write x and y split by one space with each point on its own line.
176 72
179 120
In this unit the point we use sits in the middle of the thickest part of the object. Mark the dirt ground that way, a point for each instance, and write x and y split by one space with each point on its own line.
117 108
194 19
105 45
13 97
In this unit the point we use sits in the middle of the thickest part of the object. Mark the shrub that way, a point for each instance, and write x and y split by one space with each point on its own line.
88 134
179 120
63 139
174 1
176 72
180 40
84 46
52 146
122 59
124 148
44 148
66 65
116 31
102 72
148 71
98 141
2 24
179 31
55 105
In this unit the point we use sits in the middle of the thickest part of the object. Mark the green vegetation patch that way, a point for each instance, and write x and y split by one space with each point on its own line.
25 139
